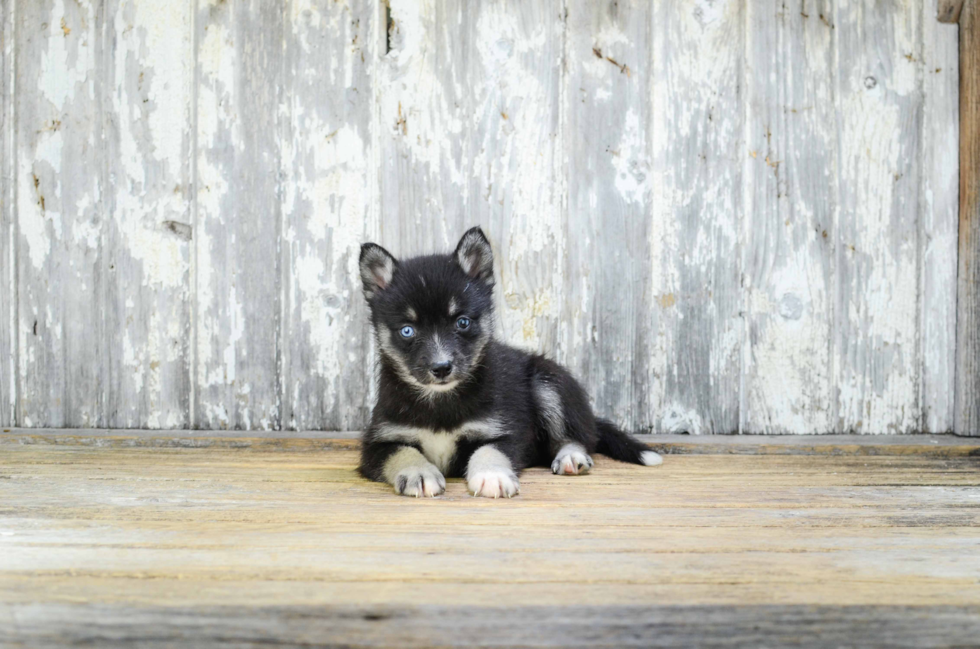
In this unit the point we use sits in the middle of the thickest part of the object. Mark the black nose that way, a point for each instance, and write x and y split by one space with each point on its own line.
441 370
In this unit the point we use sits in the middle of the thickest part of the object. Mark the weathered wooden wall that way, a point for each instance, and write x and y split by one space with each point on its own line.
725 216
968 298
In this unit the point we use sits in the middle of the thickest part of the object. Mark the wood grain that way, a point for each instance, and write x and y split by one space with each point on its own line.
788 267
656 179
609 325
60 171
948 11
221 534
8 216
938 207
938 446
41 626
968 282
238 223
329 207
148 227
697 157
877 300
469 103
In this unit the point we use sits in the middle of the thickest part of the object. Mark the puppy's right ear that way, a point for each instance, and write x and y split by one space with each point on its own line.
377 269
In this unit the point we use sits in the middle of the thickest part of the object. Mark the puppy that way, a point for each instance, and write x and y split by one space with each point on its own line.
452 400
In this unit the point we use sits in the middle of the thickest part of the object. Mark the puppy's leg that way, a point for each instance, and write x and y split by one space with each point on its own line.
490 473
403 467
565 416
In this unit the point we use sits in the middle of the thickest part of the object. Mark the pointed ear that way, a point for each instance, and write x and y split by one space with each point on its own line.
377 269
474 256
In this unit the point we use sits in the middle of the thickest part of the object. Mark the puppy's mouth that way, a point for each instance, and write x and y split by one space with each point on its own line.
443 385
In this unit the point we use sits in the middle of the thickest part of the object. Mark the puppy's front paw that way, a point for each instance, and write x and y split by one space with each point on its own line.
420 481
494 483
571 460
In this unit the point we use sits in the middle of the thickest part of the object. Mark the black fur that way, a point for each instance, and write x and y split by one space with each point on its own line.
508 397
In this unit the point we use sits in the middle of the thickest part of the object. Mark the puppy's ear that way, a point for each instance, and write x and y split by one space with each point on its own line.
377 269
474 256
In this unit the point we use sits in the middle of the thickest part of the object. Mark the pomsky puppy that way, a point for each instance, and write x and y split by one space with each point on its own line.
452 400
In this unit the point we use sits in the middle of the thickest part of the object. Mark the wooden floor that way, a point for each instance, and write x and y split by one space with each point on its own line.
109 542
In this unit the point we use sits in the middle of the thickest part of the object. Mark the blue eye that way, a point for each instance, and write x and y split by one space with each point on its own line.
463 323
406 331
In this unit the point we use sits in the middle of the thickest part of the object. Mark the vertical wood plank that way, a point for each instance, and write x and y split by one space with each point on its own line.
698 148
236 234
469 135
8 240
968 282
790 186
880 110
938 222
150 76
60 187
329 198
608 311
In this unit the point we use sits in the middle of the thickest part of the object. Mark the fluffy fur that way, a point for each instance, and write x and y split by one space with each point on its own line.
452 400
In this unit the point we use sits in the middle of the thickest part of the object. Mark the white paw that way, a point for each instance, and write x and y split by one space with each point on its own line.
571 460
419 481
493 483
649 458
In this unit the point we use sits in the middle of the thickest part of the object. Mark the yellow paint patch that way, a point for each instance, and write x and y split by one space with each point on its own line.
666 300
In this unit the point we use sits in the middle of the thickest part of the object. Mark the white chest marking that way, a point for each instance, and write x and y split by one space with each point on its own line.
438 448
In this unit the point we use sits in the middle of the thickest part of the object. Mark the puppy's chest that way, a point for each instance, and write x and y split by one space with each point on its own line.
440 446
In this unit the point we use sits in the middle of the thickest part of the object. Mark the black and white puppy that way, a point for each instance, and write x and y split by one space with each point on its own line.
452 400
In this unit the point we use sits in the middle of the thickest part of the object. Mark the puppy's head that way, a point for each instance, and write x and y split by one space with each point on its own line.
433 316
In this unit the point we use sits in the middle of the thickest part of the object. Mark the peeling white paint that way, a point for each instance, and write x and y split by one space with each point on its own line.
466 120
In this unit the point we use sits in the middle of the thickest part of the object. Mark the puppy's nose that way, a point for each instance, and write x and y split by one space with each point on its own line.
441 370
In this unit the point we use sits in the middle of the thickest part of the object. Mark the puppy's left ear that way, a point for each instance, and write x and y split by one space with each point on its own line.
377 269
474 256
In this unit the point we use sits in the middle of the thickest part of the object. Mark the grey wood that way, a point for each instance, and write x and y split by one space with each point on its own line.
237 229
8 281
60 171
968 279
470 134
609 321
656 179
877 265
312 440
147 229
788 265
698 151
329 208
58 625
938 208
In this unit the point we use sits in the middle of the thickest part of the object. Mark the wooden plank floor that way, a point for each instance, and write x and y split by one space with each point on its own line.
111 544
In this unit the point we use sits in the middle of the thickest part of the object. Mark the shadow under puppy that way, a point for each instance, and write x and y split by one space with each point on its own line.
452 400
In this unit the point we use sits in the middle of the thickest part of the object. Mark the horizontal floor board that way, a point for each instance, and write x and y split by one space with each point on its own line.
935 445
219 546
